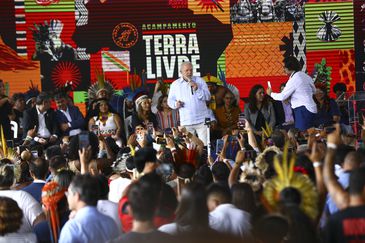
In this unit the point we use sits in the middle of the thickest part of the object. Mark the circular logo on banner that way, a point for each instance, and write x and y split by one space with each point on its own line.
125 35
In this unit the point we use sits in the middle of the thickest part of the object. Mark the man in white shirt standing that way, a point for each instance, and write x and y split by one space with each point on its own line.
189 95
300 89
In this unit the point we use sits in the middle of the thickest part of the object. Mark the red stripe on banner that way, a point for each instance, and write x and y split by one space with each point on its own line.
169 31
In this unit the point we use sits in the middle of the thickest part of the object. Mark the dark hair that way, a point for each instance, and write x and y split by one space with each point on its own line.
87 187
159 102
290 195
57 162
271 229
252 98
167 202
143 196
39 168
18 96
59 96
243 197
6 175
10 216
303 161
192 210
185 170
142 156
278 138
357 181
220 171
64 177
52 151
203 175
104 187
341 152
73 151
220 191
43 96
301 227
292 64
339 87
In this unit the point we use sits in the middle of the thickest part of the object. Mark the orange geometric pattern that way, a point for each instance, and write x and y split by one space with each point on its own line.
254 51
347 69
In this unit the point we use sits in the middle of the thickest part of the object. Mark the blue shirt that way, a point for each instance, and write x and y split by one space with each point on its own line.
35 189
89 225
195 108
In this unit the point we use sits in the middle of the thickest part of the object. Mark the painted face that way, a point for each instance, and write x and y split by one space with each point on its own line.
260 95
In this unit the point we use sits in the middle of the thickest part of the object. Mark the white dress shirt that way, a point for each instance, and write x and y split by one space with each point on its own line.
300 89
43 131
195 108
226 218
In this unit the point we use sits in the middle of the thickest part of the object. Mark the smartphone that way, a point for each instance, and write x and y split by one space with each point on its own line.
84 140
150 128
269 84
168 131
95 129
241 121
219 146
34 153
160 140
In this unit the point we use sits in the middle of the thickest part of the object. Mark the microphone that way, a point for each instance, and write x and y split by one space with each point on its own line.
191 87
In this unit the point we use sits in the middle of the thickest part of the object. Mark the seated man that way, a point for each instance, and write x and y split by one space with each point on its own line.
42 119
69 117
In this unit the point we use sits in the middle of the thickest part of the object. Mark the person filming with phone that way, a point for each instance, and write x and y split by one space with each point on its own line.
189 95
300 89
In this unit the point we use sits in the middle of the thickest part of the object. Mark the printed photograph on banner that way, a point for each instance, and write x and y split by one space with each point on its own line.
260 11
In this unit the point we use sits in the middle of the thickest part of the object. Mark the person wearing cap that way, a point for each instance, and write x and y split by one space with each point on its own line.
143 114
189 95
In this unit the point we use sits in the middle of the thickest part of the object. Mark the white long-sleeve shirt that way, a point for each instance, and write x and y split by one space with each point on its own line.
300 89
195 108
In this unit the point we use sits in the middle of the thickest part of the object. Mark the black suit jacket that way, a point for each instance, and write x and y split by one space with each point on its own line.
30 119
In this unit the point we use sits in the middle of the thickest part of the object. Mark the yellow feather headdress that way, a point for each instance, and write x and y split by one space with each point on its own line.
9 153
286 177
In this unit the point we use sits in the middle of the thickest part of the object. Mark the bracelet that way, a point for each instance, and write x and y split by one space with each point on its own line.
243 149
331 145
28 138
173 150
317 164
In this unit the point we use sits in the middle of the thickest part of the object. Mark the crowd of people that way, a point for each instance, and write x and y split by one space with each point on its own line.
183 164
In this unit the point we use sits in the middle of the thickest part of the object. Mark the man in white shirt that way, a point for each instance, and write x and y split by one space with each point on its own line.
43 119
300 89
189 95
224 217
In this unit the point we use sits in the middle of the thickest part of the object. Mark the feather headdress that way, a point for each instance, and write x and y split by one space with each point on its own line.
286 177
100 85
